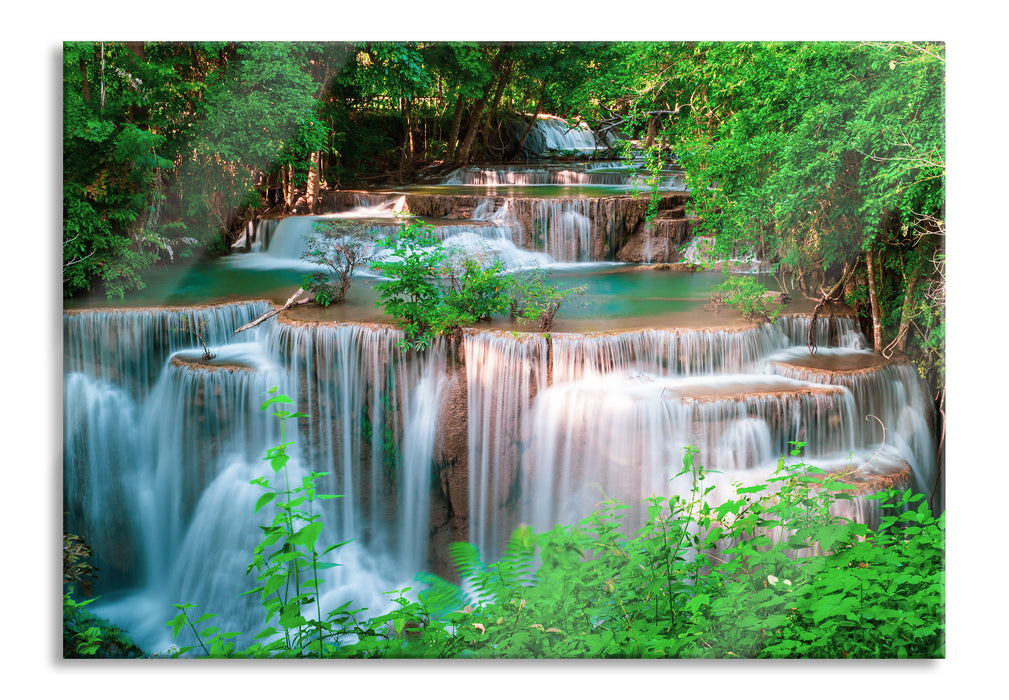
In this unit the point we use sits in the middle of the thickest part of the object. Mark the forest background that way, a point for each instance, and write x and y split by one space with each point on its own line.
977 253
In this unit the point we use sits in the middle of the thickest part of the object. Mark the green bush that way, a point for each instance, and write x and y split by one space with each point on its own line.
749 297
433 291
532 300
412 293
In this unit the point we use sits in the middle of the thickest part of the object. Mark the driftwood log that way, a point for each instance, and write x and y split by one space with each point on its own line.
270 314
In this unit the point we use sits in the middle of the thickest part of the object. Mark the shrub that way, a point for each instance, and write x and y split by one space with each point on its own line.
532 300
412 293
749 297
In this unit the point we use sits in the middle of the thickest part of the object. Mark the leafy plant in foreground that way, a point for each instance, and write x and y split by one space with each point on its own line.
770 572
287 561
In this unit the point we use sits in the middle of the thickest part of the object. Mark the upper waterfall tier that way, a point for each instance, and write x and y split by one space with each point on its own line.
563 174
568 228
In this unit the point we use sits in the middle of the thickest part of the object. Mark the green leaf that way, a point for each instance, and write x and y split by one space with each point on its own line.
264 499
306 536
272 400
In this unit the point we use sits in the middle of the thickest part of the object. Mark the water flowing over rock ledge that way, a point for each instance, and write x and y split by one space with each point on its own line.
430 448
568 228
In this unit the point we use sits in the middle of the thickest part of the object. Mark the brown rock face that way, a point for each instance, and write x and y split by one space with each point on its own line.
657 242
451 462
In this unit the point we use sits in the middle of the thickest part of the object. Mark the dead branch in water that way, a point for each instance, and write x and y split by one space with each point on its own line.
270 314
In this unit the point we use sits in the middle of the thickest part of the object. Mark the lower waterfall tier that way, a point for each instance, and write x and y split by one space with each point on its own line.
450 444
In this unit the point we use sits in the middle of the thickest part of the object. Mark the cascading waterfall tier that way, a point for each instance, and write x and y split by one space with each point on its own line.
623 436
129 347
372 410
831 330
504 373
710 388
673 352
610 174
157 477
890 398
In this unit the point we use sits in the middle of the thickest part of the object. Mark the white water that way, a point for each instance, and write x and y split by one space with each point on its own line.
157 475
158 455
622 407
558 136
584 174
623 436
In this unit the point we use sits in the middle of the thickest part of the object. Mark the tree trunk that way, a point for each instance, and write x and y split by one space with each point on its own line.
532 122
85 88
406 155
453 134
652 124
502 81
137 114
476 113
288 188
877 323
462 157
905 311
312 187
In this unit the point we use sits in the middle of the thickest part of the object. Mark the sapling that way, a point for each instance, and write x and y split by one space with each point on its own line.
340 247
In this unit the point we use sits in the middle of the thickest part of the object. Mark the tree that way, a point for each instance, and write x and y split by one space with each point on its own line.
412 293
824 157
340 247
114 167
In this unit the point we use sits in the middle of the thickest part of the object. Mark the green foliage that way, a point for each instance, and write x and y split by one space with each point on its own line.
84 634
413 293
809 154
340 247
770 573
476 290
287 561
532 300
77 568
433 291
88 636
749 297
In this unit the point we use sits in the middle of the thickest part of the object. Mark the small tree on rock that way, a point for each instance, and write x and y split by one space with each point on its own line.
339 247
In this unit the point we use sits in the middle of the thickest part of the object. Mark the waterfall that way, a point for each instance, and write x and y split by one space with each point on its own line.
831 331
503 375
157 474
129 347
894 393
623 435
288 240
563 229
101 445
587 174
674 352
558 136
371 423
